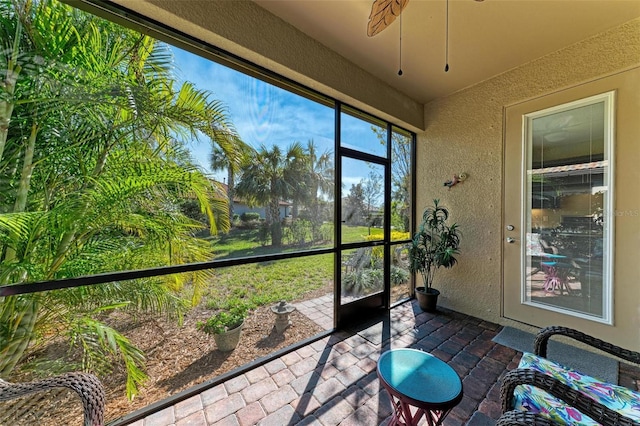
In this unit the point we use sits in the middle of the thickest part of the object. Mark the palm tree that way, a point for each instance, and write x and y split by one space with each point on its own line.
271 176
221 161
400 173
321 181
93 167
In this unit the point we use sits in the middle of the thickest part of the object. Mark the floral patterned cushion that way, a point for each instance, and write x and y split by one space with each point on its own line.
529 398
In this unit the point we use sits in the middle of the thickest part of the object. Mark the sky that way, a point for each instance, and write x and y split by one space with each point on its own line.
264 114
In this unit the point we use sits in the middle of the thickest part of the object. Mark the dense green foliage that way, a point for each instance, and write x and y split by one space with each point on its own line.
94 169
298 173
96 177
249 216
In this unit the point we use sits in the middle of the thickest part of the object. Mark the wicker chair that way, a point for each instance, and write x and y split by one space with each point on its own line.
568 395
523 418
87 386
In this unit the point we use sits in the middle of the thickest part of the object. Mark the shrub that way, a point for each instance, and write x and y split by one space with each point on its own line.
395 236
355 283
362 259
298 232
398 235
326 231
398 275
264 234
359 282
250 216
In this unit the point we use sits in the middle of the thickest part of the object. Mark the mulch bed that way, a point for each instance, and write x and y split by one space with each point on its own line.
181 357
177 357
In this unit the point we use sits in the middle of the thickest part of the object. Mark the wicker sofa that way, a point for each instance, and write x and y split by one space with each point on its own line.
541 392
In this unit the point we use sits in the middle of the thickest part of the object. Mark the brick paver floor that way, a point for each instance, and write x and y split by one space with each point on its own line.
333 381
319 310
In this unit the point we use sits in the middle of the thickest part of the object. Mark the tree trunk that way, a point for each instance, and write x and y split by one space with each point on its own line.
6 110
276 226
230 192
27 169
8 86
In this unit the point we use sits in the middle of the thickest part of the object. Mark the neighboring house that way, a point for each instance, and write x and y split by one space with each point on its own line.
240 206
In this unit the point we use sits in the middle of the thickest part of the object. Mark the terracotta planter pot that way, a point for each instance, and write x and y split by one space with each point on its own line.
228 341
427 298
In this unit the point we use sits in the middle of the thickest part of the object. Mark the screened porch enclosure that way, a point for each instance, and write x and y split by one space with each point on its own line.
148 188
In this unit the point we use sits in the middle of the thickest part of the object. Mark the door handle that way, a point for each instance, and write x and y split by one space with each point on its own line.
511 240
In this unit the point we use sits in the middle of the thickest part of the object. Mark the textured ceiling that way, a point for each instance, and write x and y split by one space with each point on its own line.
485 38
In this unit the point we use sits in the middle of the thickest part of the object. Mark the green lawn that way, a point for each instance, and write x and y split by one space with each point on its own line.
268 282
354 234
245 242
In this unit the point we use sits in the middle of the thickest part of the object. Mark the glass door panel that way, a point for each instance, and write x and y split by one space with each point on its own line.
568 186
400 185
374 169
362 213
363 133
363 201
362 273
399 272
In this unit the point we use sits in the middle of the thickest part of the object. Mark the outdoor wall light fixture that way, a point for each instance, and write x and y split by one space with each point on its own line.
457 178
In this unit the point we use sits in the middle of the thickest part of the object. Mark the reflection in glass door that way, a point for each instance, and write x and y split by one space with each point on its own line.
568 187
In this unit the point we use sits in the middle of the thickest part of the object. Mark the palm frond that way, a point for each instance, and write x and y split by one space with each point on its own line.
99 341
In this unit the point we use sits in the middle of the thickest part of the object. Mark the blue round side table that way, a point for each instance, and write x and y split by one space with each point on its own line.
419 379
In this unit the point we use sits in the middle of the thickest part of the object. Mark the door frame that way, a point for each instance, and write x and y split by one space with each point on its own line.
514 303
379 302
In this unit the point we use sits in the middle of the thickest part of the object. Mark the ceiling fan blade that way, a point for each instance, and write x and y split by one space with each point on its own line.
383 13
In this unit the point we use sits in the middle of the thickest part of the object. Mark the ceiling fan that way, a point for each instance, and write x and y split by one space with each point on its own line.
383 13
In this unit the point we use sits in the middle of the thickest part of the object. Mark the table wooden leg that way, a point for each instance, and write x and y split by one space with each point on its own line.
402 415
436 417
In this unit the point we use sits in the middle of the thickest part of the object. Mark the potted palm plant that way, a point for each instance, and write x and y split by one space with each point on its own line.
433 246
225 326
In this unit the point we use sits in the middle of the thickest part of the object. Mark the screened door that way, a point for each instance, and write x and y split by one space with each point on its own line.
375 162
